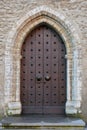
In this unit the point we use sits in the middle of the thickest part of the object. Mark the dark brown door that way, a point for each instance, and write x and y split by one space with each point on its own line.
43 72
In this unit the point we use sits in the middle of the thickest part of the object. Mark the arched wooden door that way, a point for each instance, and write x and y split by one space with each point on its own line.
43 72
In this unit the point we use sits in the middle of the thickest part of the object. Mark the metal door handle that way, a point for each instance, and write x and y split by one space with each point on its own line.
38 78
47 78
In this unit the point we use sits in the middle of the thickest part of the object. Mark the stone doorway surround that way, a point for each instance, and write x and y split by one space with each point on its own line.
68 32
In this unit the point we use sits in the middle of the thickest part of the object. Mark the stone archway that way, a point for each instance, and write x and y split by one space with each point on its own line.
13 55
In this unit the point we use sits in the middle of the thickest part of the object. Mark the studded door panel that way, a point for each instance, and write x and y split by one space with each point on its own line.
43 72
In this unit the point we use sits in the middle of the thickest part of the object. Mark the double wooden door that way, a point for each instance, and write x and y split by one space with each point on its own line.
43 72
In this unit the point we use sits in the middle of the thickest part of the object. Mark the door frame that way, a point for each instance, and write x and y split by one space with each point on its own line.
66 29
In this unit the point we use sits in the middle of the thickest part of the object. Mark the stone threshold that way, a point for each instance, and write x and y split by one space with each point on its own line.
43 122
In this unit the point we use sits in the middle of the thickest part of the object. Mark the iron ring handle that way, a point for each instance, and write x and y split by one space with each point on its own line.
38 78
47 78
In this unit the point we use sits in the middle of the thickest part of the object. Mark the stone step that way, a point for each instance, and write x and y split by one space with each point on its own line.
43 123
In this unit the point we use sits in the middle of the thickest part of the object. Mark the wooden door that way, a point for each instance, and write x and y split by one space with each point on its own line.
43 72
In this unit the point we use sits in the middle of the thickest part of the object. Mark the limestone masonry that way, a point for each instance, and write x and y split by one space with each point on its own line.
17 19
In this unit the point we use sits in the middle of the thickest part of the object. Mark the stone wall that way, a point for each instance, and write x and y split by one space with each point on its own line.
12 12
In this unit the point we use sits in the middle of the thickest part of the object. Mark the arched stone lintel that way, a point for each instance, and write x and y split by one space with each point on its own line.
50 22
62 26
59 17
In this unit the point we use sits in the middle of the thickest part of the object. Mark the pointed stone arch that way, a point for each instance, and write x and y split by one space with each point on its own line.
66 29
